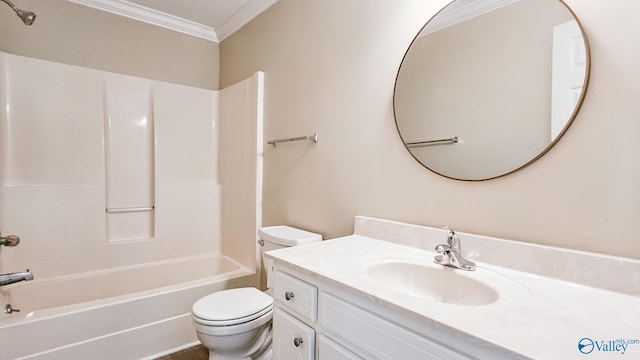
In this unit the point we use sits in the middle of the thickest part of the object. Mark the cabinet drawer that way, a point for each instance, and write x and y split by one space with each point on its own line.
292 339
297 296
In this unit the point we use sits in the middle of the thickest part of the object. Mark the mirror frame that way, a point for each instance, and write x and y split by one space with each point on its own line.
569 122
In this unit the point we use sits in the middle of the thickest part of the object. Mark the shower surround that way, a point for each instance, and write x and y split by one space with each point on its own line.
113 184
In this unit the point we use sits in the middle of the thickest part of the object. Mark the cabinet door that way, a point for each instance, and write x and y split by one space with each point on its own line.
292 339
377 336
331 350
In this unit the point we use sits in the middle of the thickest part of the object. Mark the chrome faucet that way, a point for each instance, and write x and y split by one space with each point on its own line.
451 253
6 279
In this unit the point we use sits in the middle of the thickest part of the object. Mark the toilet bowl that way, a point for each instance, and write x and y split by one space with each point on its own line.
236 323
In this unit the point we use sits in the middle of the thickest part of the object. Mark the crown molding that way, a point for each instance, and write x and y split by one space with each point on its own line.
151 16
243 16
448 18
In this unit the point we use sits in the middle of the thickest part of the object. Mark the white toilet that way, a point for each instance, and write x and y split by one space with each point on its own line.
236 323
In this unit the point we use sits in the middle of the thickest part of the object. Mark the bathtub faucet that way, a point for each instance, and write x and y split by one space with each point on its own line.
6 279
10 240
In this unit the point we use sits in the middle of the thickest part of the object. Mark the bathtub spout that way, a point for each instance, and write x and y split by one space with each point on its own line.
6 279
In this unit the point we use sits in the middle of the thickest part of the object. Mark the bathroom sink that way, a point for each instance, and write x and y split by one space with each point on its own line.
433 282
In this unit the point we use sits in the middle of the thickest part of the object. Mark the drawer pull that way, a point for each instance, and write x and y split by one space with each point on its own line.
297 341
288 295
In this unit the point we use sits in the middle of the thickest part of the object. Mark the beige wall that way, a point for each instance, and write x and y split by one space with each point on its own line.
330 67
78 35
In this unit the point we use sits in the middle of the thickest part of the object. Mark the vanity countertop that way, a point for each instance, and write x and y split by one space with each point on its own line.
541 318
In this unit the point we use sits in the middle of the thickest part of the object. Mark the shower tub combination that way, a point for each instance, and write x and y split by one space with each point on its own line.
121 246
135 312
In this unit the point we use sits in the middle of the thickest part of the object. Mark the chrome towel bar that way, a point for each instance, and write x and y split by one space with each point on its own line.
452 140
275 142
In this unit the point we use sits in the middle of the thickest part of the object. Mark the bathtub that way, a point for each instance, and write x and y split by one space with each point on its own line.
136 312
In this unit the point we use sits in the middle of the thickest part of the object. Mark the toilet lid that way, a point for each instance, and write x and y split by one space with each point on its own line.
233 305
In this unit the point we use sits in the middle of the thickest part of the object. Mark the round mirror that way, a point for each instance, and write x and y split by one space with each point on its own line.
488 86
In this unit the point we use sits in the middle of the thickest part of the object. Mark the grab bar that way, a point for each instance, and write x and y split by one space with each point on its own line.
131 209
275 142
452 140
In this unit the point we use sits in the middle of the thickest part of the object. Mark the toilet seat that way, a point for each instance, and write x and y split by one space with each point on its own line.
232 307
231 322
230 330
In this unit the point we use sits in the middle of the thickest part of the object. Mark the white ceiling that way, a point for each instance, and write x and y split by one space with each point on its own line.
208 19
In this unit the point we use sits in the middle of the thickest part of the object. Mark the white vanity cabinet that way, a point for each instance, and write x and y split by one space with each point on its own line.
377 294
313 320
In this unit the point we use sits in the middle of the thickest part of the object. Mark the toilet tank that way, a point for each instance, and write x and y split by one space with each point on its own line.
278 237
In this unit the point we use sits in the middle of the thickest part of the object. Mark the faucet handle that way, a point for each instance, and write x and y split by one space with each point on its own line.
450 231
452 238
